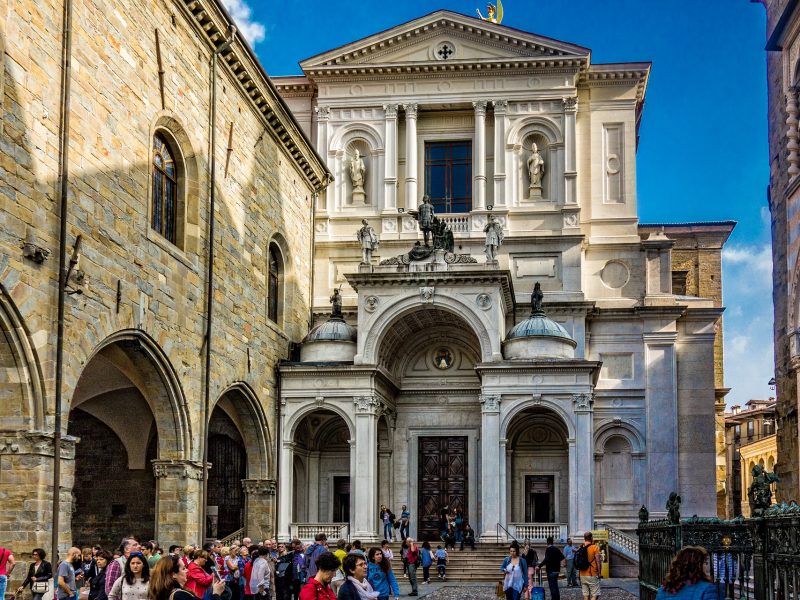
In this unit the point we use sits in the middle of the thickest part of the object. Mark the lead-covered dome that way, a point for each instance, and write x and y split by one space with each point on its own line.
332 341
539 336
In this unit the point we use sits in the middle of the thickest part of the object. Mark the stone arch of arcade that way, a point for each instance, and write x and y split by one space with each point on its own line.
240 492
133 468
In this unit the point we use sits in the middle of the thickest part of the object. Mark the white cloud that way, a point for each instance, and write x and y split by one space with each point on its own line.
748 319
242 14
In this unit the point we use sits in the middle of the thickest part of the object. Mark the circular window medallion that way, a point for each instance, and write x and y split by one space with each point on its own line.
443 359
615 274
444 50
484 301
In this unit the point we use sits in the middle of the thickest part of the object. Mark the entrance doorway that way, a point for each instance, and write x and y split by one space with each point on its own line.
341 499
539 499
442 481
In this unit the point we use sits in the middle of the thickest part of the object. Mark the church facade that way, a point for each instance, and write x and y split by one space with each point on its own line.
442 378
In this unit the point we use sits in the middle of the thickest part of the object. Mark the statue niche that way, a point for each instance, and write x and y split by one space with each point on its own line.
357 170
536 166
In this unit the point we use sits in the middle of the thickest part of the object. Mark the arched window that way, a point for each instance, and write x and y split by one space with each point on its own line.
165 190
274 284
617 470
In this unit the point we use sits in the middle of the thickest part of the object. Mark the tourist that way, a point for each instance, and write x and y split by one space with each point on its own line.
441 562
357 586
116 566
39 571
88 566
65 575
459 524
132 585
175 550
588 561
97 584
357 549
687 578
252 554
531 559
152 552
232 572
379 573
443 521
569 556
426 560
469 537
319 547
553 558
197 579
298 566
413 556
405 521
515 570
169 578
450 537
261 574
188 550
284 574
387 518
318 587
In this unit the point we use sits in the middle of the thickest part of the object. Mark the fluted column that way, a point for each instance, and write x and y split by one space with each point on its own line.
390 157
411 156
479 159
792 146
500 110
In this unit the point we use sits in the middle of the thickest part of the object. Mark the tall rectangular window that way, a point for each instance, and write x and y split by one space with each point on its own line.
448 175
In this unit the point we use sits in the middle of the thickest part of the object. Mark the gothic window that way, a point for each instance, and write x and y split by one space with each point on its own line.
274 284
164 217
448 175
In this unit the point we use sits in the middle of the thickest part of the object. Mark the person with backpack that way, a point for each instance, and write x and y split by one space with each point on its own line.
441 563
413 556
426 560
553 558
588 562
319 546
284 576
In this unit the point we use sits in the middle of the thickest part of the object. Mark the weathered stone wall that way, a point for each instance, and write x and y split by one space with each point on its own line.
262 197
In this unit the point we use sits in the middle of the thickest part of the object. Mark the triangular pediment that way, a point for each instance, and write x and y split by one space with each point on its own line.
445 36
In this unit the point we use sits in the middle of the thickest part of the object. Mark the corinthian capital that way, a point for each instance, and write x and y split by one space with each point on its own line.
490 403
480 107
366 404
582 401
411 111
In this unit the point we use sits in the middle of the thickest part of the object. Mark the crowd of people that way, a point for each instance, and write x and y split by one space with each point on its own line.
293 571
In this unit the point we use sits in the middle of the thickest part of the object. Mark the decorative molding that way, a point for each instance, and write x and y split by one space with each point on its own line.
411 111
426 294
323 113
500 106
570 103
36 443
259 487
490 403
583 401
484 301
371 303
366 404
177 469
390 110
480 108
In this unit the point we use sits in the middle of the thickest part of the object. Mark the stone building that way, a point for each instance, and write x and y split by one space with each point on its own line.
696 271
751 440
137 418
443 381
783 79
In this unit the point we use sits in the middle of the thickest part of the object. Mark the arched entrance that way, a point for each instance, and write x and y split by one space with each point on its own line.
129 415
224 496
321 472
537 467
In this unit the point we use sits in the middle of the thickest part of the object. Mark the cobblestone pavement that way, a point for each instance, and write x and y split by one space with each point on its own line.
612 590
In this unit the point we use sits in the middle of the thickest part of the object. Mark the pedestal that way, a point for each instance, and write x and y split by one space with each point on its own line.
535 192
359 197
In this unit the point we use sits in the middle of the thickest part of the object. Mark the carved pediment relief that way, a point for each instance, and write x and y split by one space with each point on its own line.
444 36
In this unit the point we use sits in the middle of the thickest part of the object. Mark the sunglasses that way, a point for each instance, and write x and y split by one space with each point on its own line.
136 554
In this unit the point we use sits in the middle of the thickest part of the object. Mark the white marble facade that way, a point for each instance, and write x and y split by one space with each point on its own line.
601 429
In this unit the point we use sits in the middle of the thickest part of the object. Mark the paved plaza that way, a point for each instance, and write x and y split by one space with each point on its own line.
612 589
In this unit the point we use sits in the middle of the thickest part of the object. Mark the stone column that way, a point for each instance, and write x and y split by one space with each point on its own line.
259 508
313 483
179 487
570 155
583 486
285 490
479 158
572 506
505 493
390 158
412 200
662 414
491 467
500 110
365 519
323 115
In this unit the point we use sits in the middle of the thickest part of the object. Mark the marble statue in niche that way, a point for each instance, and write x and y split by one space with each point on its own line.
358 172
535 172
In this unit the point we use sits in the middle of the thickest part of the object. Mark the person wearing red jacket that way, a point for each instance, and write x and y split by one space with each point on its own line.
197 580
319 586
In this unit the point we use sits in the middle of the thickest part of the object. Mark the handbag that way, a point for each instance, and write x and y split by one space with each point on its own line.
498 590
40 587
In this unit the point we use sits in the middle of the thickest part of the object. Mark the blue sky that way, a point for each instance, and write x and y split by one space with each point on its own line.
703 152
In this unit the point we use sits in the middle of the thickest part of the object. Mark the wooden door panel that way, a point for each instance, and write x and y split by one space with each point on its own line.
442 480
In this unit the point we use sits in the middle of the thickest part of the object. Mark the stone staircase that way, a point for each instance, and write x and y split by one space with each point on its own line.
470 566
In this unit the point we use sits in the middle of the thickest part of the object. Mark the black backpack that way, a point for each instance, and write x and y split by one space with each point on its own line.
283 569
582 558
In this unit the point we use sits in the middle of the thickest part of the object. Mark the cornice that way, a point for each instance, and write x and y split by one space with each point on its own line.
212 20
535 366
601 75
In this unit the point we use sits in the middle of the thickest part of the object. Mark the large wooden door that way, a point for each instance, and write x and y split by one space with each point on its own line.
442 481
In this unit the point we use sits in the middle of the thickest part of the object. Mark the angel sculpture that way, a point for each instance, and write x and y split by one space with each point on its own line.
493 13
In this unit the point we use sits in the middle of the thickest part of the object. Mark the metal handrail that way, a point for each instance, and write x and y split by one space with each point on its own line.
508 533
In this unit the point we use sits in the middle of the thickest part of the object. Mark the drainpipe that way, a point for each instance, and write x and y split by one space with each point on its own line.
63 169
210 283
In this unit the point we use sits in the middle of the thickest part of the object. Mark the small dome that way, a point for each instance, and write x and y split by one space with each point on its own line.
539 325
334 329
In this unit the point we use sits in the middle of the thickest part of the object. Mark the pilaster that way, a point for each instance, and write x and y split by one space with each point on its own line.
390 158
285 489
365 518
479 159
570 152
412 200
582 488
492 464
500 120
